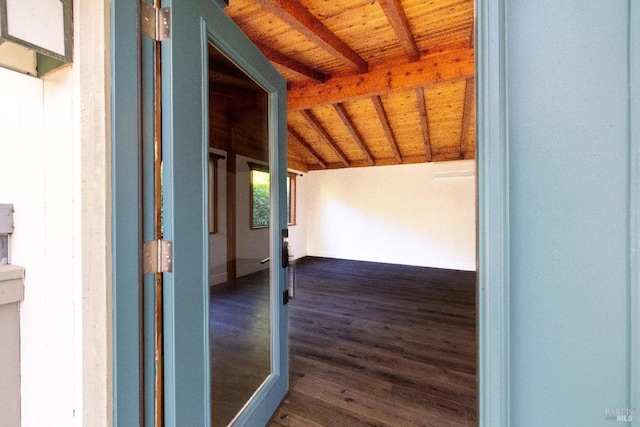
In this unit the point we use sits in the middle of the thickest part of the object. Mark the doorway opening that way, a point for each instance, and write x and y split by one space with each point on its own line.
341 124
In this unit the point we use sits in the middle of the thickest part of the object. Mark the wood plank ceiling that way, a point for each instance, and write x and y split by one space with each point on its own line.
370 82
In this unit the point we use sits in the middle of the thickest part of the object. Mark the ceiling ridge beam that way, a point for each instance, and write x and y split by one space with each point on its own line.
386 125
431 69
466 116
317 126
307 147
299 17
398 20
291 64
424 121
350 125
387 161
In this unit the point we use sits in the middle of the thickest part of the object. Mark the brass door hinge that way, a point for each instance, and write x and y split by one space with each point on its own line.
155 23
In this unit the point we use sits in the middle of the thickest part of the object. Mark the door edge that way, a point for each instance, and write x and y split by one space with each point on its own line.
493 215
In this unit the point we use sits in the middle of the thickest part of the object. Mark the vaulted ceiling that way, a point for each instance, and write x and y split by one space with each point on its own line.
370 82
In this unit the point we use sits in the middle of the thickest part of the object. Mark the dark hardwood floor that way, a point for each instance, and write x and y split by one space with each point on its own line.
381 345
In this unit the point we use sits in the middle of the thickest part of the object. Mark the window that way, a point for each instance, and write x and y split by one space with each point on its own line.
259 198
291 198
213 192
260 203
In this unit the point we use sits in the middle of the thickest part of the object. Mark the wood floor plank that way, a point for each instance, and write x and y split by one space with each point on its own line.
339 375
285 419
317 411
369 408
381 345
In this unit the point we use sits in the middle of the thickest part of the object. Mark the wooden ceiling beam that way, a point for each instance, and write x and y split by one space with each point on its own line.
317 126
389 161
291 64
424 121
227 80
398 19
307 147
439 67
299 17
297 165
466 117
348 122
386 125
229 92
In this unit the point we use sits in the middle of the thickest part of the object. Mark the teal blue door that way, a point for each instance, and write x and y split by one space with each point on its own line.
203 43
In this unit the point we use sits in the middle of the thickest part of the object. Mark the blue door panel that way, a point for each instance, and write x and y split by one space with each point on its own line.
185 150
185 140
569 175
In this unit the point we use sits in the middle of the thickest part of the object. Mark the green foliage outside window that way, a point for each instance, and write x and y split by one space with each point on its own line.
260 199
260 188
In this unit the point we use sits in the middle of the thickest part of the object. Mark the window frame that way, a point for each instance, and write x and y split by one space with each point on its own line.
292 198
291 195
212 170
258 168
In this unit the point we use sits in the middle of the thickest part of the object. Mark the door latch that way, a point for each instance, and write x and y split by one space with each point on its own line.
285 248
290 292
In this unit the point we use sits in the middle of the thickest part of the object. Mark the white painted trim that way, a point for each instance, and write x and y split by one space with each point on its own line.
493 215
92 189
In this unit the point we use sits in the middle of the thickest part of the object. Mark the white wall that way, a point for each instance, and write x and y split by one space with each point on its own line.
298 232
54 168
38 164
401 214
218 241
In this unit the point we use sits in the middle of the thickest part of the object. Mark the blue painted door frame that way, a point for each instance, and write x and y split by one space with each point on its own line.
505 128
558 211
125 168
